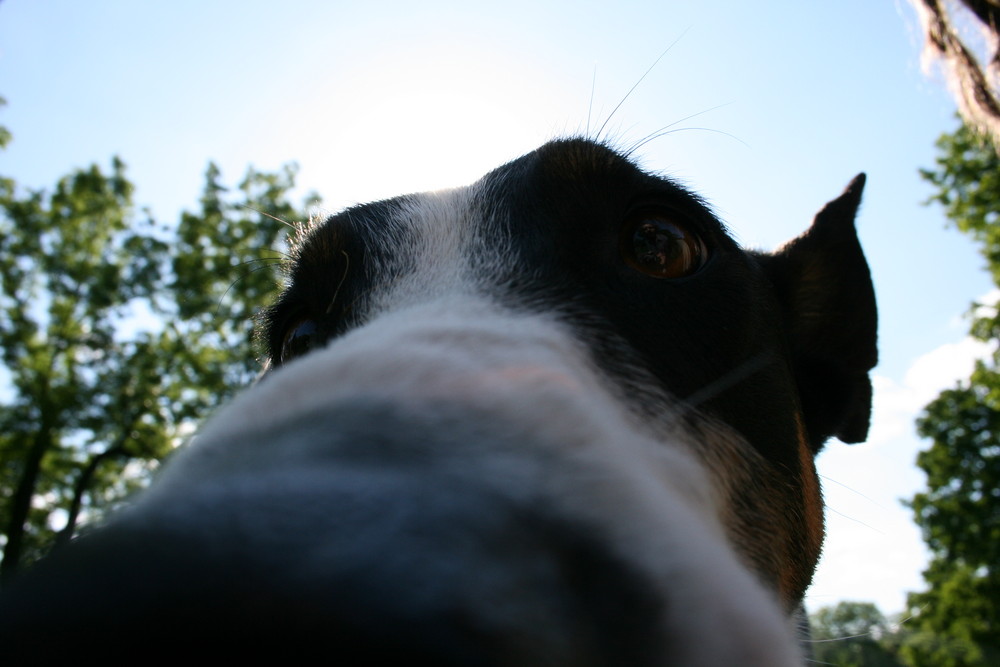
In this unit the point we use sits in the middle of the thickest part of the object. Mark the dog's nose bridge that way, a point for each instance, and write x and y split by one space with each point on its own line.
462 350
454 248
451 363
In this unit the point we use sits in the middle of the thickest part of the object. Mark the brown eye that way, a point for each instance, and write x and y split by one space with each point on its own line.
300 338
657 246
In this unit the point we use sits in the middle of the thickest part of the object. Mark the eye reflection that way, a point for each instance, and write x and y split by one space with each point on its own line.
661 248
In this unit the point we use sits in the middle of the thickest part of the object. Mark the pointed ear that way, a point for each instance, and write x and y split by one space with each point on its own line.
825 290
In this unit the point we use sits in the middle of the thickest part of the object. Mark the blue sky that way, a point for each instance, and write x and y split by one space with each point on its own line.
776 105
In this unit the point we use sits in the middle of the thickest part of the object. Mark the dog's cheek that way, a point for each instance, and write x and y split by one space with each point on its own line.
812 501
772 514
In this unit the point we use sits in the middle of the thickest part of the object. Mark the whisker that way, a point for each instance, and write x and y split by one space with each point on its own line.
661 130
347 265
854 491
892 627
273 217
618 106
263 267
731 379
590 107
281 257
670 129
857 521
909 618
687 129
838 639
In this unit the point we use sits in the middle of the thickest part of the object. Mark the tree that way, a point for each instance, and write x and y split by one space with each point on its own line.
852 634
976 84
225 263
117 333
957 620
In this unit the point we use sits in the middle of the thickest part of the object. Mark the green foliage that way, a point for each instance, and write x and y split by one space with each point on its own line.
960 511
117 334
853 634
957 619
967 183
225 262
5 136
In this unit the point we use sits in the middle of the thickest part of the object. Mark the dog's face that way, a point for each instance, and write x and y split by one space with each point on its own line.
555 417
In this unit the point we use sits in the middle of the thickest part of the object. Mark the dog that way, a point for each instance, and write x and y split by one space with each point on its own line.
556 417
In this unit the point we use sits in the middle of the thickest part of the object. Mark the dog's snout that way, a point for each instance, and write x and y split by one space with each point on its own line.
369 552
394 537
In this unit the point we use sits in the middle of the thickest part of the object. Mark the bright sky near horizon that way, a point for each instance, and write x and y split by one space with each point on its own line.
773 107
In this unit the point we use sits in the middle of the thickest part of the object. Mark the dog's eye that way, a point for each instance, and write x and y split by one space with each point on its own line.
301 337
659 247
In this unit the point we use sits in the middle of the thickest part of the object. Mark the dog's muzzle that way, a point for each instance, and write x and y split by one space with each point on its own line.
430 489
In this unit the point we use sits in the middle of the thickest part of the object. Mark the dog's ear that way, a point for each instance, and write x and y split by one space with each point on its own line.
826 295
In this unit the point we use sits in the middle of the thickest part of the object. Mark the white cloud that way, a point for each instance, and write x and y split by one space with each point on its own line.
897 403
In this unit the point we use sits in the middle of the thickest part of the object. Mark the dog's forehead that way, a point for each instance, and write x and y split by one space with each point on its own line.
556 168
544 228
567 180
571 163
578 179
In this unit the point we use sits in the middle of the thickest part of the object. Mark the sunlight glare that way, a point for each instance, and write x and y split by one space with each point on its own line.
410 126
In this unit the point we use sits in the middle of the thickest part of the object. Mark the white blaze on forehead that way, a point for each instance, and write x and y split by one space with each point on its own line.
440 249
